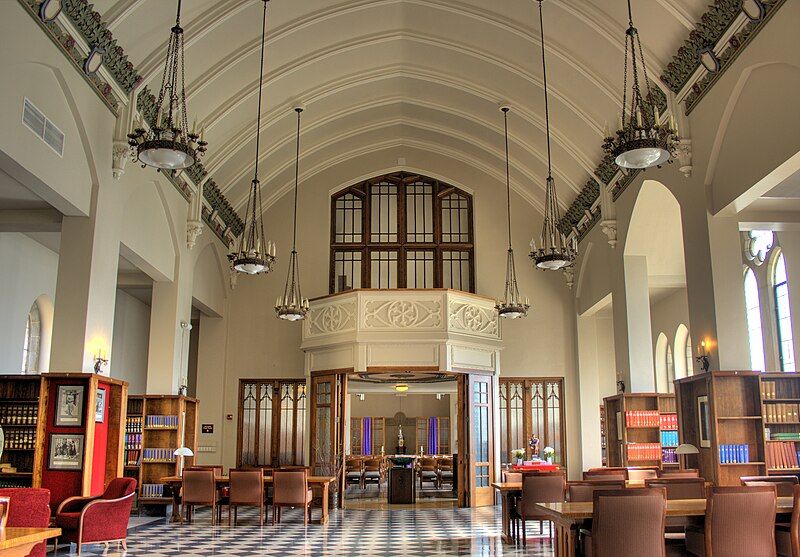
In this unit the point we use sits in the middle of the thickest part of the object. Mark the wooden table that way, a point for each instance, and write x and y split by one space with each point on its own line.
321 482
19 542
569 517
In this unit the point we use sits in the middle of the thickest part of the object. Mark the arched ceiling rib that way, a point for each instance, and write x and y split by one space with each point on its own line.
402 72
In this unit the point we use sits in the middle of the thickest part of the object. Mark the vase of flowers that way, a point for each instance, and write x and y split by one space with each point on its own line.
518 455
549 453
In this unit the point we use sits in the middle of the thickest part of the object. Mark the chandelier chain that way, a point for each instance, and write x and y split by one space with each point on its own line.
296 177
508 176
260 84
544 80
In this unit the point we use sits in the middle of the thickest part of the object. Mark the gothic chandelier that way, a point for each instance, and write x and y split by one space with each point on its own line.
169 144
292 306
554 251
641 141
252 254
512 306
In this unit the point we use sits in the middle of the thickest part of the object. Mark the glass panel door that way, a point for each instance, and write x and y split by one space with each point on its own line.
481 447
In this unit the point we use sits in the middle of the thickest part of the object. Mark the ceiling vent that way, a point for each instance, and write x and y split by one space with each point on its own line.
42 127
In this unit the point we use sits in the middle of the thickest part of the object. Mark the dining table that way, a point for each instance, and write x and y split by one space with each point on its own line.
19 542
321 483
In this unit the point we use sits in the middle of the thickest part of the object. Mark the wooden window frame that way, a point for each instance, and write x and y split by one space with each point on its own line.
275 439
527 414
366 246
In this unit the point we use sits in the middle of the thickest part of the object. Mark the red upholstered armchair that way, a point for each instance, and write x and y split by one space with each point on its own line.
102 519
29 508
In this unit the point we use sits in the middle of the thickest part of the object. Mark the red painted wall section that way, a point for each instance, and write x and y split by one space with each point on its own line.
100 444
62 483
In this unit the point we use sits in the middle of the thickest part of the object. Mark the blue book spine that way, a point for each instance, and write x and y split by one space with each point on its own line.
747 453
723 454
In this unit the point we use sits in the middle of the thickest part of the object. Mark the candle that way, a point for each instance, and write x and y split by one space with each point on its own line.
194 127
658 116
619 124
638 117
159 114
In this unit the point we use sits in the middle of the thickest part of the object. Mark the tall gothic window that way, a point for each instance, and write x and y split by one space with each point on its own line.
783 314
30 346
754 333
401 231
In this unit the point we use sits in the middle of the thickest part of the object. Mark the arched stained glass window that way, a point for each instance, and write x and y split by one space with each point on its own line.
753 312
783 315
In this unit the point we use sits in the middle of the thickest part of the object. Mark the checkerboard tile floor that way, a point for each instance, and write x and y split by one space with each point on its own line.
397 533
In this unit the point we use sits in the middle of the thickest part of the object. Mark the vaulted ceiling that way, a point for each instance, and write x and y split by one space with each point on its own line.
423 73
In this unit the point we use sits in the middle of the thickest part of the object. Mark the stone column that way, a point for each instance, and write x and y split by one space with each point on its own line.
633 339
589 385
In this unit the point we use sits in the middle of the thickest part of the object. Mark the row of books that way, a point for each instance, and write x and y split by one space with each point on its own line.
783 435
152 490
668 422
781 455
26 390
782 412
642 418
669 456
19 414
734 454
133 424
788 389
132 457
133 440
644 451
24 439
167 422
669 438
158 455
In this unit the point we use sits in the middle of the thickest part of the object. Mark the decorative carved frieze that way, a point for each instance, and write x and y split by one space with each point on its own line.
402 314
331 318
473 319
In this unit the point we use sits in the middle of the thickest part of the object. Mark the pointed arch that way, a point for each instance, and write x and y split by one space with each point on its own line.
779 283
662 372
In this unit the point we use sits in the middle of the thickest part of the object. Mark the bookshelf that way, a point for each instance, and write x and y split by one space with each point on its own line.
133 441
780 397
720 413
603 446
20 414
635 425
163 428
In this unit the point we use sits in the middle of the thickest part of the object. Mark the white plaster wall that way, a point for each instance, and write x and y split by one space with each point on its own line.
131 335
27 270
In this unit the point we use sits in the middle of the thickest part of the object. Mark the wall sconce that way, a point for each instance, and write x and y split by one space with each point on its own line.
438 396
360 397
99 362
702 356
98 348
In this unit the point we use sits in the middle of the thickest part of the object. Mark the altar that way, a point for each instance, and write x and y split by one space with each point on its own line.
402 487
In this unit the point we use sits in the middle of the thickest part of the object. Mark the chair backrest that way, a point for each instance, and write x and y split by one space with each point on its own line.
606 474
199 486
672 473
584 491
642 474
512 477
118 488
741 517
427 464
783 484
541 487
216 468
354 465
444 463
629 522
372 464
289 487
246 486
680 488
29 508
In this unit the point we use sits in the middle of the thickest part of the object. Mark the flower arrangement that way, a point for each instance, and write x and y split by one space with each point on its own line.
549 453
518 454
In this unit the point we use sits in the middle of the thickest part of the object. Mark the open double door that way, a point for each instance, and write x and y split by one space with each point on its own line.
476 443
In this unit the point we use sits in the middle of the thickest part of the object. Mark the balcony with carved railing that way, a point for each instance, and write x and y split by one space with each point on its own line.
448 330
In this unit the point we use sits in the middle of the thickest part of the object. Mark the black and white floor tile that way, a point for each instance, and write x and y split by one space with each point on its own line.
349 533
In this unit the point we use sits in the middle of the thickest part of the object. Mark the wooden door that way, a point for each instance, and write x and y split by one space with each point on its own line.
328 396
478 416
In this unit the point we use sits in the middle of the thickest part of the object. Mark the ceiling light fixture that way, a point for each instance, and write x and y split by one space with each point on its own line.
253 254
555 250
168 144
511 306
401 387
293 307
641 141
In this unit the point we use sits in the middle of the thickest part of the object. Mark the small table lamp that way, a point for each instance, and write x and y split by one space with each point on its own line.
182 452
684 449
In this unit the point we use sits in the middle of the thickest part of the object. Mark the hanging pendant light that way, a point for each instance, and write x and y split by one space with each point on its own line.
253 254
292 306
169 144
554 251
641 141
512 306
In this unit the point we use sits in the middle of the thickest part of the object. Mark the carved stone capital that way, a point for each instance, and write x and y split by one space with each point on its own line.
193 229
233 276
569 276
121 151
609 228
684 155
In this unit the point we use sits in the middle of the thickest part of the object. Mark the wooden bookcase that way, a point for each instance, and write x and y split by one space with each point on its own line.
603 439
20 413
624 437
167 422
132 456
780 397
730 402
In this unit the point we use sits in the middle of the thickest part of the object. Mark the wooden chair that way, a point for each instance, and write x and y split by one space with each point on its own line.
222 499
426 470
680 488
539 487
290 489
374 472
642 473
199 488
246 490
787 536
444 471
606 473
783 484
739 522
354 471
584 491
627 522
677 473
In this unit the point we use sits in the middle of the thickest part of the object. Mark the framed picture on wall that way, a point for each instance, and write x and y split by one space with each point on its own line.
66 451
69 405
703 421
100 406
